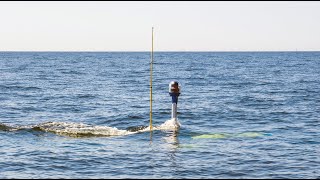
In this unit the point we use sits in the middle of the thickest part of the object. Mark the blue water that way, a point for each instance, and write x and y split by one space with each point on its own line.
243 114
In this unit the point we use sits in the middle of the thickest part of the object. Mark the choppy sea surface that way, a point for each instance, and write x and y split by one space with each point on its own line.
80 115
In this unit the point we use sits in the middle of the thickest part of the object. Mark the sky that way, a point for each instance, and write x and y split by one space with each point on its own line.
178 25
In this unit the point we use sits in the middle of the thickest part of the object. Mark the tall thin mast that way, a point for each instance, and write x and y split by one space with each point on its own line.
151 64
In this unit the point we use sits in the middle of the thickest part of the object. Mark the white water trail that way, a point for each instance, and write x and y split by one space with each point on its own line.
170 125
80 129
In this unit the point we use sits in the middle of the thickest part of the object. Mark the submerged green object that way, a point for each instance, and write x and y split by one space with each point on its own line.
210 136
224 135
249 134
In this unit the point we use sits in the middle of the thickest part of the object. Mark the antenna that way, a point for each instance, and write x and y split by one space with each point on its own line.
151 64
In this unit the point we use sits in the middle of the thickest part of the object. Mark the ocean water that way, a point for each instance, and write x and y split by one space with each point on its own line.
85 115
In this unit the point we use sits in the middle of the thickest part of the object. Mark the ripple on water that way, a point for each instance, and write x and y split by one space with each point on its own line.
242 115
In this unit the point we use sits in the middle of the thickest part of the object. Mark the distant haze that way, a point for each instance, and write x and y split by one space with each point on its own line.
179 26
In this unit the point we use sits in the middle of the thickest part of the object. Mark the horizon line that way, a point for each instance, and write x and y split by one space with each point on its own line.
161 51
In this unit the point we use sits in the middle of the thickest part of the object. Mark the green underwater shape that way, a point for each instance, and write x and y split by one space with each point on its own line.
222 135
249 134
211 136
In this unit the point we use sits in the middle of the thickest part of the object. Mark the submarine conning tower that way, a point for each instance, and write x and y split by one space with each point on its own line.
174 91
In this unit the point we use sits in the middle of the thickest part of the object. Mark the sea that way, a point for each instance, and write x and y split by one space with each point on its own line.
77 115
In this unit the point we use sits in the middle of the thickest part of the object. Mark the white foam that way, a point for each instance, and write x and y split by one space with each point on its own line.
80 129
171 124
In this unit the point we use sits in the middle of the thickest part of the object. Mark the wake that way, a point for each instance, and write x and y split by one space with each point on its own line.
85 130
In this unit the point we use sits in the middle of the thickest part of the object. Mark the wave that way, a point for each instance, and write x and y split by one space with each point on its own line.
85 130
4 127
79 129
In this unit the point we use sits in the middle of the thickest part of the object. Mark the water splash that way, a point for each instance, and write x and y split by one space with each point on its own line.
170 125
80 129
4 127
85 130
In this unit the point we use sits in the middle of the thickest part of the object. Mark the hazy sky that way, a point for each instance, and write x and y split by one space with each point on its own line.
179 26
